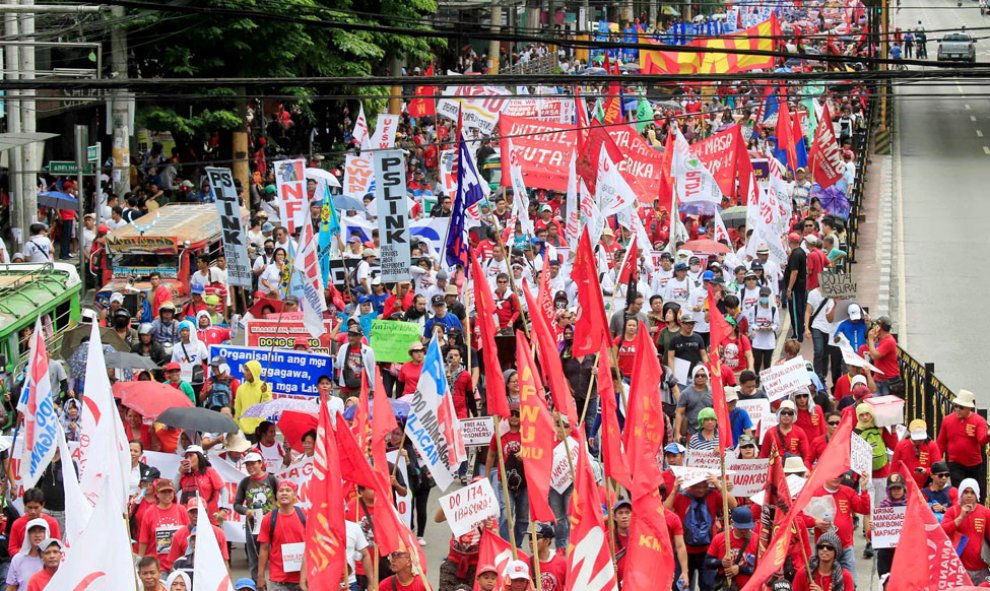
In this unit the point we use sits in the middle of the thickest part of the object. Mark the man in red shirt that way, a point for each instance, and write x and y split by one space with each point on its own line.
918 452
400 300
971 520
817 261
410 371
741 560
34 505
704 497
847 502
180 541
961 437
160 522
553 565
282 541
51 558
787 436
506 306
404 579
828 568
159 293
883 352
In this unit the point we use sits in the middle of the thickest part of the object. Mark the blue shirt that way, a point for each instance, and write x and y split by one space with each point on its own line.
448 320
855 331
740 421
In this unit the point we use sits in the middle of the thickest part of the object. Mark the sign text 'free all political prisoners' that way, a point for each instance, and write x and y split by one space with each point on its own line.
469 506
478 431
288 373
229 210
780 380
887 525
837 285
393 214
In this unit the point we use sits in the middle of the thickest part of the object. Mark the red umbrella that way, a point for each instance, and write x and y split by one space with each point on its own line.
294 424
149 398
263 306
706 246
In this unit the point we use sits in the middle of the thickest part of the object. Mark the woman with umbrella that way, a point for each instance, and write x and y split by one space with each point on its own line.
197 478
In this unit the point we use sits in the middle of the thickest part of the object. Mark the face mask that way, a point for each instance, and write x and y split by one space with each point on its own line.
764 301
695 268
269 251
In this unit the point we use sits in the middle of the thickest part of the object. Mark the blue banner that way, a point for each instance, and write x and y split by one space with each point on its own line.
289 373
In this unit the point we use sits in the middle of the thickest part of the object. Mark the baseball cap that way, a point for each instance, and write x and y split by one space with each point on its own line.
918 429
620 504
794 237
439 301
49 542
194 449
787 405
245 584
746 440
217 361
855 312
544 530
731 394
253 457
858 379
151 475
708 276
680 266
674 448
164 484
687 317
516 570
117 297
485 568
742 518
172 366
192 504
196 288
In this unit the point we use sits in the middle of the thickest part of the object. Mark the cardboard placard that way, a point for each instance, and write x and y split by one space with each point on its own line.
229 210
478 431
560 476
749 476
860 455
705 459
393 214
467 507
758 410
837 285
390 339
887 525
690 476
780 380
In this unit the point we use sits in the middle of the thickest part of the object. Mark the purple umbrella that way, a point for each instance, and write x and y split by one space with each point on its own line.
833 200
273 408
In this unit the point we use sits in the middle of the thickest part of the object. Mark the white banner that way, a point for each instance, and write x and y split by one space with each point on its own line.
467 507
384 137
359 176
749 476
758 410
694 181
293 201
887 525
706 459
479 106
229 209
393 214
424 426
478 431
560 476
780 380
690 475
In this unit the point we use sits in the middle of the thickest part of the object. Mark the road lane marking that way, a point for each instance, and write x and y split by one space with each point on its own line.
979 133
967 106
986 150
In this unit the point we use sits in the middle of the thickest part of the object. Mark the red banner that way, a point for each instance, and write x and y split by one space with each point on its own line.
536 433
720 154
640 164
825 159
544 150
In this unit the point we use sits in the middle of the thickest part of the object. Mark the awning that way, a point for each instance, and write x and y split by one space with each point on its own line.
12 140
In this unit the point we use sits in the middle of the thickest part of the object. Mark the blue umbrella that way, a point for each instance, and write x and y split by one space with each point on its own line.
57 200
399 407
346 202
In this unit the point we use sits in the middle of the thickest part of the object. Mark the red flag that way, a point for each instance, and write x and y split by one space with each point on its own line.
616 463
666 187
536 432
720 329
544 300
361 415
498 404
424 104
744 172
825 158
834 461
326 536
590 564
922 535
591 328
581 118
785 134
644 421
630 263
382 424
495 551
560 390
649 560
776 499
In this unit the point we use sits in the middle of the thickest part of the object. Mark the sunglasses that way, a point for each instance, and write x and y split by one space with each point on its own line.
801 395
787 413
825 547
942 475
833 423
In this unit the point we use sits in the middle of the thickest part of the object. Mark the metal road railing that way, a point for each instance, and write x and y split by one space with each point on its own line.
861 142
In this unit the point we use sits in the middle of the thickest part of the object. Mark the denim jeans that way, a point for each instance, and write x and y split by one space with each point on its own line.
796 306
848 558
559 504
519 503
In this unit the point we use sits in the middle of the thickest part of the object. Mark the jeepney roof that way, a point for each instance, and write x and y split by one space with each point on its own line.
175 222
26 287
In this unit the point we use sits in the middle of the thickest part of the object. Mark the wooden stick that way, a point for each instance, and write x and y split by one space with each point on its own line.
804 553
591 384
536 554
505 488
725 519
610 501
398 451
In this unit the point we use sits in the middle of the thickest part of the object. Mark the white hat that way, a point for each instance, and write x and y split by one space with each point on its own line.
969 483
517 569
787 405
794 465
731 394
194 449
253 457
857 379
966 399
855 312
117 297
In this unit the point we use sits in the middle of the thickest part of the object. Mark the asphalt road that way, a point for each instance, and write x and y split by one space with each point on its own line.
944 141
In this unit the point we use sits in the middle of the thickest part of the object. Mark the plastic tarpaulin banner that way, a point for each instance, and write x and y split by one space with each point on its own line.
760 38
544 150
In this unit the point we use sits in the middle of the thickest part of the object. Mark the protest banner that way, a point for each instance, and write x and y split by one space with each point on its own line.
479 106
229 209
384 137
758 410
780 380
390 339
434 437
288 373
358 176
293 201
448 173
478 431
393 214
403 504
860 455
837 285
718 153
748 476
544 156
691 475
640 165
543 108
887 525
266 333
706 459
467 507
560 476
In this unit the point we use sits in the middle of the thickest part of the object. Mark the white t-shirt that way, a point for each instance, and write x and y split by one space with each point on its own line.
38 249
821 321
274 277
677 290
196 352
356 543
763 317
273 456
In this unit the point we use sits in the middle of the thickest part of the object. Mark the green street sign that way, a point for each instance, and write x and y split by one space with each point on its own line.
69 167
93 153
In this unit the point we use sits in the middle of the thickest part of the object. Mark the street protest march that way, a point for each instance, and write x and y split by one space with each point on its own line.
573 298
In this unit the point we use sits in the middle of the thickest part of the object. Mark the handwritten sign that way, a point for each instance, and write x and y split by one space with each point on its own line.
887 525
860 455
690 476
560 476
749 476
478 431
758 409
467 507
707 459
390 339
781 380
837 285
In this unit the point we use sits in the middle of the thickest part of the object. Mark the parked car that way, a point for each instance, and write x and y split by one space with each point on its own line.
957 46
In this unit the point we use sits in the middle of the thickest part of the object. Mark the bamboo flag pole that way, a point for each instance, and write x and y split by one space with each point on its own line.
505 487
536 554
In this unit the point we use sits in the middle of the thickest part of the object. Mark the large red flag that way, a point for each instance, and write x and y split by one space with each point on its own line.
922 535
382 425
776 499
560 390
785 134
496 552
361 415
613 454
590 564
720 329
644 421
591 328
536 433
665 190
649 556
484 302
825 157
630 263
834 461
326 536
424 104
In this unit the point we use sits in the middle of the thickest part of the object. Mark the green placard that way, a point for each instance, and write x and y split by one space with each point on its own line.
390 339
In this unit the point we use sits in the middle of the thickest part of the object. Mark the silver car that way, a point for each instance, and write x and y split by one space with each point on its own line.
957 46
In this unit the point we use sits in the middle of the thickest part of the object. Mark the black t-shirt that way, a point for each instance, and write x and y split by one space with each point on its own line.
687 347
797 261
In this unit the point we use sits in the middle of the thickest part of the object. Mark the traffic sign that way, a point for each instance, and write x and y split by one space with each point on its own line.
93 153
69 167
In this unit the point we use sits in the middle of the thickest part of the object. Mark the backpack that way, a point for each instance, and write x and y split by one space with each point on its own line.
875 438
697 524
220 393
271 522
515 475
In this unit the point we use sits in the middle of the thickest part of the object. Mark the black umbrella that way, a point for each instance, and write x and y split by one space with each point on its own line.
198 419
121 360
75 335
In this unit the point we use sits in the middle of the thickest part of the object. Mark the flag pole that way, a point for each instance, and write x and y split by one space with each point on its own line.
536 552
591 384
611 498
505 487
512 280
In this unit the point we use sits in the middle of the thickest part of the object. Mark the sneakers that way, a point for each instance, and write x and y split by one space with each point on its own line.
868 551
422 541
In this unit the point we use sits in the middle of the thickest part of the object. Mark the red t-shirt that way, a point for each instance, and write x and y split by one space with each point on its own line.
511 445
974 527
158 527
847 502
817 262
738 545
40 580
180 543
813 424
288 530
553 573
206 486
734 353
17 532
823 581
962 439
409 376
627 355
920 456
795 442
393 584
887 363
842 387
682 503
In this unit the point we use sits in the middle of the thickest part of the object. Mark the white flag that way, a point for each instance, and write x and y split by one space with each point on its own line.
429 426
384 137
77 508
361 132
613 192
765 212
520 199
720 233
40 427
694 181
571 228
209 570
100 558
307 263
103 450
